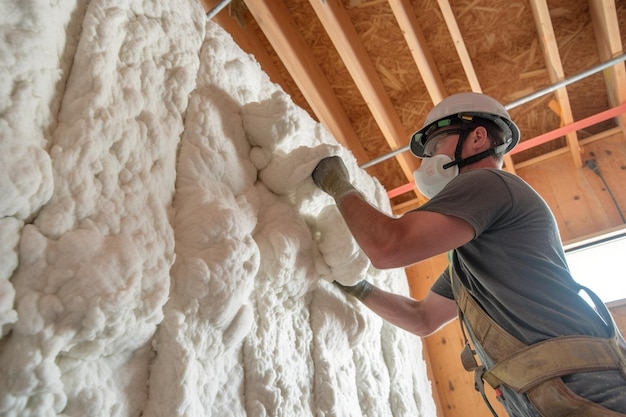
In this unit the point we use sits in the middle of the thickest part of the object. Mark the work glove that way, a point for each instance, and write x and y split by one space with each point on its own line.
360 291
332 177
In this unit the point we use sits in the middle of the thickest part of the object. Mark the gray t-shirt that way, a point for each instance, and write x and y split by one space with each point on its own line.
515 266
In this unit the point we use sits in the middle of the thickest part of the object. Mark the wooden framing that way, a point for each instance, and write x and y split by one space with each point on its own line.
606 28
459 44
553 63
276 20
417 45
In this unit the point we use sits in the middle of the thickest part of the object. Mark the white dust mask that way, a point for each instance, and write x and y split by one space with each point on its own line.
431 177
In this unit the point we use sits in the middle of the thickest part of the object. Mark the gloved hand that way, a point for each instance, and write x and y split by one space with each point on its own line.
332 177
360 291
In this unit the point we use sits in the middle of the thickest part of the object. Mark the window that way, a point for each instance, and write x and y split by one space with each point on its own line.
599 264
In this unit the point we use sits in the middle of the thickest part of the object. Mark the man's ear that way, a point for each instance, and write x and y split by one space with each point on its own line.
481 138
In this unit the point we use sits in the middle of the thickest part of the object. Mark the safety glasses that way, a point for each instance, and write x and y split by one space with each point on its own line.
433 142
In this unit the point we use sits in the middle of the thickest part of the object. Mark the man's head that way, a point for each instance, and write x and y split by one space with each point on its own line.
461 114
464 131
479 136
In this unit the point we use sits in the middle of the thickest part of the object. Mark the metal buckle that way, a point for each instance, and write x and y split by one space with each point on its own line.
468 358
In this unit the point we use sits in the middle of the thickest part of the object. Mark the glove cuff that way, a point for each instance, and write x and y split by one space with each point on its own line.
360 291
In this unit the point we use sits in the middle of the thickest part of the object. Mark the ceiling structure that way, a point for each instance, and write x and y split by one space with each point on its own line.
371 70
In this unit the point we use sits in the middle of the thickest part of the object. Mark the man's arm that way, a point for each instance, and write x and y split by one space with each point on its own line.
398 242
389 242
394 242
418 317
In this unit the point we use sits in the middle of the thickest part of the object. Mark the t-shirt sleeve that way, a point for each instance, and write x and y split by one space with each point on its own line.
443 286
479 197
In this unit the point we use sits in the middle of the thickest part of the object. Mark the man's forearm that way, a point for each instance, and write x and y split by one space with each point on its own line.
403 312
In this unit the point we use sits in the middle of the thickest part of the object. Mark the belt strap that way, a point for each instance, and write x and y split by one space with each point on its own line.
520 366
560 356
498 342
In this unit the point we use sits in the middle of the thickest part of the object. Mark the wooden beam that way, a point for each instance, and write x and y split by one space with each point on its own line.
403 11
509 165
281 31
459 44
555 71
607 32
346 40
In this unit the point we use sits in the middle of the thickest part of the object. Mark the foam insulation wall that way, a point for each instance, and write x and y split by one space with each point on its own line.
163 251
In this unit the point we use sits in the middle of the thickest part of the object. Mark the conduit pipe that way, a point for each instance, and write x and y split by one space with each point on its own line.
541 139
520 101
216 9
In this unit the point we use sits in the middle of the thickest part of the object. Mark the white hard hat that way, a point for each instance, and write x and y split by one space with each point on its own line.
464 107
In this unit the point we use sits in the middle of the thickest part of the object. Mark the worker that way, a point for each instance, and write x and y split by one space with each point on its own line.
543 348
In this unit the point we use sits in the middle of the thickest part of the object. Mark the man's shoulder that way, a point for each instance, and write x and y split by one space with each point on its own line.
489 172
491 175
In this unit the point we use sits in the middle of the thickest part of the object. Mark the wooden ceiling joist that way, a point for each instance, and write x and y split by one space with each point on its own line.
555 71
459 44
416 42
609 42
278 26
346 40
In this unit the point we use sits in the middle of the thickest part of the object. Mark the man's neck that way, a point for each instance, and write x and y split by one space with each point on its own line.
488 162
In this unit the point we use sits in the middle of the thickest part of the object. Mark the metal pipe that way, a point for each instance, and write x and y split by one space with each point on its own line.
520 101
216 9
566 82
